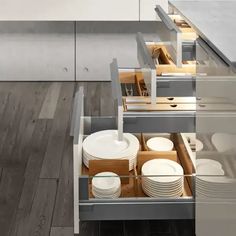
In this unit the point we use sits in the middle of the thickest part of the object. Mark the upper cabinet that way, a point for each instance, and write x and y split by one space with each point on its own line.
108 10
147 9
72 10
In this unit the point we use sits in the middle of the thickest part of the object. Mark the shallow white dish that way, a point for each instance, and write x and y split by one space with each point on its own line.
159 168
154 194
223 142
208 162
209 170
160 144
106 181
104 144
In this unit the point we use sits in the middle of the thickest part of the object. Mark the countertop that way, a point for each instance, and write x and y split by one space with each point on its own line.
215 22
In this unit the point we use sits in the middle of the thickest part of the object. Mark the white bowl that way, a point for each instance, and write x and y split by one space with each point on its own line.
160 144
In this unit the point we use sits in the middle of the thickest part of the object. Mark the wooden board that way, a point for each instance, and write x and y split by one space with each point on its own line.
190 69
62 231
63 210
40 217
52 160
50 102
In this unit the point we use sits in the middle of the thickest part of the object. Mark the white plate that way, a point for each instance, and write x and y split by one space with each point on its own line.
216 180
106 181
167 192
153 180
157 195
105 193
208 167
160 144
209 173
163 167
223 142
104 144
208 162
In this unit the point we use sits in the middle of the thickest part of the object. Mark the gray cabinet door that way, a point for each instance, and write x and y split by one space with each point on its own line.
97 43
34 51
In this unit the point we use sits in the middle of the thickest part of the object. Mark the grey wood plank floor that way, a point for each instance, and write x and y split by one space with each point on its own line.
36 194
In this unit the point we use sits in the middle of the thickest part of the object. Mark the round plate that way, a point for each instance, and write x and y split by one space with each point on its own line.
208 168
106 181
162 167
160 144
223 142
104 144
156 195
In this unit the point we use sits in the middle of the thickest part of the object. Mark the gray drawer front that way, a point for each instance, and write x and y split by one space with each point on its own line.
188 51
175 87
97 43
37 51
136 210
174 35
171 123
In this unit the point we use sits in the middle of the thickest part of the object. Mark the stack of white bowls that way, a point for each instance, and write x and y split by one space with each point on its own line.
160 144
106 185
211 181
162 178
104 145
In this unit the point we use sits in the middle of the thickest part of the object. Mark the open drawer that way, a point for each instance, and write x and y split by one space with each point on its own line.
162 76
138 112
181 36
133 203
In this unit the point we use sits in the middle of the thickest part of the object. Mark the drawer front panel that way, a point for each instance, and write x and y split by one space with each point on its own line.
32 51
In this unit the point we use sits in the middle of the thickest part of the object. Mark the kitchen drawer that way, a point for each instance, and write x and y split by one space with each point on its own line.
132 200
140 114
161 75
179 32
33 51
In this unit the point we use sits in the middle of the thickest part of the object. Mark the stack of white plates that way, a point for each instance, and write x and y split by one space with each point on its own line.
162 178
211 180
104 145
160 144
106 185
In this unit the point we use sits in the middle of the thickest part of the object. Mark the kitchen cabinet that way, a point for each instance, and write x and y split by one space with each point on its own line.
107 10
147 9
62 10
37 51
97 43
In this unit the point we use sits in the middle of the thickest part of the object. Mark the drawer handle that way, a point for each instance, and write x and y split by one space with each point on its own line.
170 99
174 105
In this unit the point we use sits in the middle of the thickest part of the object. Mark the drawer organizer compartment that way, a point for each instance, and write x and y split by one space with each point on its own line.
181 36
132 200
160 73
131 181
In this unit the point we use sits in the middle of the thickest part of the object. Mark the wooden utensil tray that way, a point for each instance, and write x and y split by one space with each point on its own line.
168 66
131 180
188 33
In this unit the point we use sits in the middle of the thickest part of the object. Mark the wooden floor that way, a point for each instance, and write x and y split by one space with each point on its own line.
36 195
